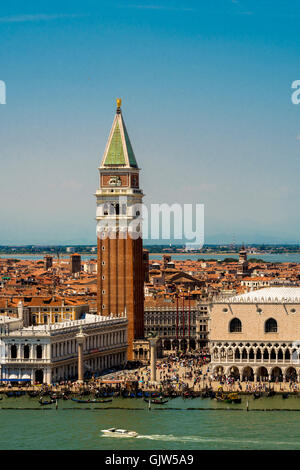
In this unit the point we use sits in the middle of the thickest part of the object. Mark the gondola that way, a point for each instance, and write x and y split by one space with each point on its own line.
46 402
90 401
271 393
237 400
10 394
101 401
156 401
80 401
285 395
256 395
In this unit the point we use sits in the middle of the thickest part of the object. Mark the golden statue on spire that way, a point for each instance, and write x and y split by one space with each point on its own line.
119 102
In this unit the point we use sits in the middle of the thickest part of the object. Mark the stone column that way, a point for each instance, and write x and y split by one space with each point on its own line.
80 337
152 342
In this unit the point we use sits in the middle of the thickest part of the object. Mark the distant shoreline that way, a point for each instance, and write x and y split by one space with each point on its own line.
228 254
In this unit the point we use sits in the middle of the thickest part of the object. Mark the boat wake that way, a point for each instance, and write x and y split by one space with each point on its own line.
171 437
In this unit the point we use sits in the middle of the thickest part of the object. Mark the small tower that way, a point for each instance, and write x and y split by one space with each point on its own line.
120 270
48 261
243 262
75 263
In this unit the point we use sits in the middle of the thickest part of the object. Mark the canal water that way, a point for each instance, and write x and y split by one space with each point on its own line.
189 424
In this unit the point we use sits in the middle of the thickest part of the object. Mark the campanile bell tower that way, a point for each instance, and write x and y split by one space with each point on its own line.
120 276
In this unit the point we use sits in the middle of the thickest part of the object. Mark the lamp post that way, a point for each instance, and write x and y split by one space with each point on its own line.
80 337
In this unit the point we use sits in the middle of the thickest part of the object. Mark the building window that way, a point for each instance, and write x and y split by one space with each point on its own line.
235 326
271 326
103 292
105 209
56 318
13 351
103 307
39 351
33 319
45 319
26 351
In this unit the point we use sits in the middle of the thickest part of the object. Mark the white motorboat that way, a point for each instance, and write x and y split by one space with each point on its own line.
114 432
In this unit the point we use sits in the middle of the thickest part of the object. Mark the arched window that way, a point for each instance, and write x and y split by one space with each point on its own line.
235 326
39 351
271 326
13 351
258 354
105 209
26 351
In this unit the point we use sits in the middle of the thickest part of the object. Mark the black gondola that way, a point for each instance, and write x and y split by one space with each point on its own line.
154 401
285 395
101 401
256 395
90 401
46 402
236 400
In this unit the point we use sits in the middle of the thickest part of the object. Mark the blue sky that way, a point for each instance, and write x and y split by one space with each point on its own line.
206 89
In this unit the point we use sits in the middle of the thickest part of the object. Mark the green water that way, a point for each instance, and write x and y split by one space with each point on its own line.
173 426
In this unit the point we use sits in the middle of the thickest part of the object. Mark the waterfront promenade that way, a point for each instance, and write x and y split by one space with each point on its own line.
173 373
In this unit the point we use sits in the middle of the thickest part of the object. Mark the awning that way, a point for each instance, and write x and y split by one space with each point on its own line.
15 380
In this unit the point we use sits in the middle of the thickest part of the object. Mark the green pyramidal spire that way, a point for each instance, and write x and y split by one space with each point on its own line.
118 151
